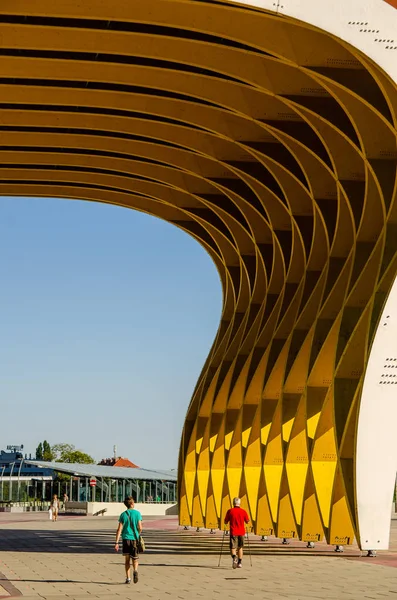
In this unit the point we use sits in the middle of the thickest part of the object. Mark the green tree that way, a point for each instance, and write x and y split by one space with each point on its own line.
47 452
39 452
67 453
44 452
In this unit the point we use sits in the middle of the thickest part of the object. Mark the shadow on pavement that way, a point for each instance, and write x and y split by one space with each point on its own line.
157 543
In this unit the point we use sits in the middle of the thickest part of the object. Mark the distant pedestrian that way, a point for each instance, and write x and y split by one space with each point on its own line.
130 529
54 507
237 517
65 499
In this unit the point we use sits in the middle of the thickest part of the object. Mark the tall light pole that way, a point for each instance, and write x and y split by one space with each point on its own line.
19 474
2 473
10 490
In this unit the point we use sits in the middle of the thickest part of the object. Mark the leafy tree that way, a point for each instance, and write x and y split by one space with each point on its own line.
81 457
47 452
39 452
62 452
43 451
67 453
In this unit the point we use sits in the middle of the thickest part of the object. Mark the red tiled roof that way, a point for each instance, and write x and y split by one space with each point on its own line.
125 462
118 462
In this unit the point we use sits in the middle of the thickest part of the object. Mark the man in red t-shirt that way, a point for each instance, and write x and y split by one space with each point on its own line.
237 517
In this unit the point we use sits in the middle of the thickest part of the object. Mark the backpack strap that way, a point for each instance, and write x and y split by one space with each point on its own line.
136 533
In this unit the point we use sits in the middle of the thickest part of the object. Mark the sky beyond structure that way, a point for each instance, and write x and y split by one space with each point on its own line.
107 316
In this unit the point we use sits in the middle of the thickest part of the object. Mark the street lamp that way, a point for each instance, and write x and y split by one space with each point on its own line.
19 474
2 473
10 490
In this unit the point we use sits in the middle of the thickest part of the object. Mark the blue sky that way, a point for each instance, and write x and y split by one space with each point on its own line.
107 316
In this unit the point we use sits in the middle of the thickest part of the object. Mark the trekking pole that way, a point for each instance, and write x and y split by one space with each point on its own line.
249 549
223 537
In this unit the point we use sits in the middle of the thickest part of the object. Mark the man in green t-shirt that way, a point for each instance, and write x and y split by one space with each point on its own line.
130 529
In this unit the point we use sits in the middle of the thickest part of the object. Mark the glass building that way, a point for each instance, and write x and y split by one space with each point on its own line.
112 484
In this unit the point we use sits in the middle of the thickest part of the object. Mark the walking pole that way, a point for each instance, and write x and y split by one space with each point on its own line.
249 549
223 537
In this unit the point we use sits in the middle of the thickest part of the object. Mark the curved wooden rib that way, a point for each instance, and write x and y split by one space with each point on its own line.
274 145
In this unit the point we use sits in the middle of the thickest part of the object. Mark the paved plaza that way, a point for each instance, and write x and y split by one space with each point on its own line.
74 559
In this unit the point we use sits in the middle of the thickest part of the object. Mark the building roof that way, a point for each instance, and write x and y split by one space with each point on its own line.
82 470
118 462
125 462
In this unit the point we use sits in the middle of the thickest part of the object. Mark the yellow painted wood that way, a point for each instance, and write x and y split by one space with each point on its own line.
312 526
297 461
286 524
231 124
324 458
253 464
341 525
273 464
211 518
197 515
264 523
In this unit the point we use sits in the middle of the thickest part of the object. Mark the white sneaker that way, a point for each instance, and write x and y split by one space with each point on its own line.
234 564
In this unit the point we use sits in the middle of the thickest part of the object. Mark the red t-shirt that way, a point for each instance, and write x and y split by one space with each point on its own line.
237 517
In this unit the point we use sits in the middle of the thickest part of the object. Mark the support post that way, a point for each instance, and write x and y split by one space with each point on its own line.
2 473
10 486
19 481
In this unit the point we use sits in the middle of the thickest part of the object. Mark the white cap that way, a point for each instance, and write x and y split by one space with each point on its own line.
236 501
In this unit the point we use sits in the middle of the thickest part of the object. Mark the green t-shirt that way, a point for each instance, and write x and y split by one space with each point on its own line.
127 518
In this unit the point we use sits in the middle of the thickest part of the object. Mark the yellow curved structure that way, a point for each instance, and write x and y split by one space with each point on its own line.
273 143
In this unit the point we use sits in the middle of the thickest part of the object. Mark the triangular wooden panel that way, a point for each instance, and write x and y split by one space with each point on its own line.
203 469
312 526
218 468
286 524
275 381
211 518
264 523
255 386
341 530
297 461
297 376
324 459
197 514
235 460
322 372
273 464
253 464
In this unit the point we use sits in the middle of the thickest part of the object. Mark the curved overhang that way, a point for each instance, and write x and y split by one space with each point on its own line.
95 470
268 132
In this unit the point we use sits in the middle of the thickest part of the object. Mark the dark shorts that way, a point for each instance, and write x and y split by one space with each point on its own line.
130 548
236 541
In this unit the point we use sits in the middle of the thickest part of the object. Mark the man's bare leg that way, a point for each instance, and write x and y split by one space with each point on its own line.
240 557
135 569
127 566
234 557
